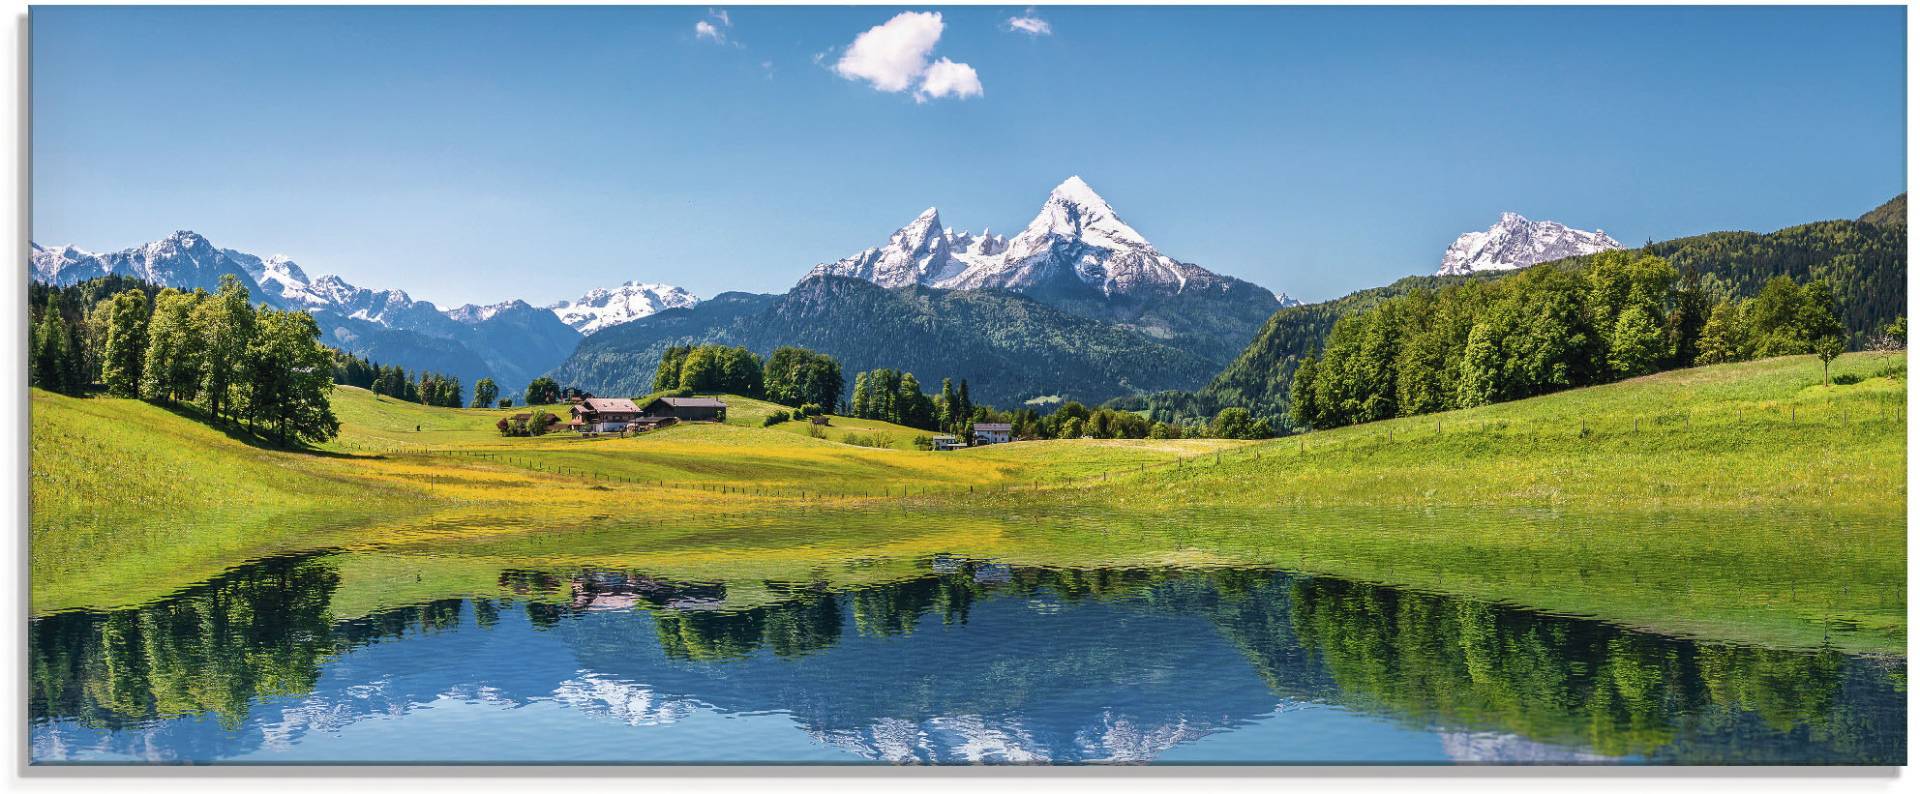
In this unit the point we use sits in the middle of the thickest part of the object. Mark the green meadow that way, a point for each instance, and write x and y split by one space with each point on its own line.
1745 502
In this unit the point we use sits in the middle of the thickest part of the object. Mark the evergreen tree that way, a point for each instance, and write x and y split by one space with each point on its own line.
53 356
1304 409
862 400
1688 319
948 405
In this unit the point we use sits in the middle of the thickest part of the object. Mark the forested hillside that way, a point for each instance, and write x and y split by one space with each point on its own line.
1009 347
1863 261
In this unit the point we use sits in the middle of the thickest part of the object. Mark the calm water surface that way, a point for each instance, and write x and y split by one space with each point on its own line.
970 661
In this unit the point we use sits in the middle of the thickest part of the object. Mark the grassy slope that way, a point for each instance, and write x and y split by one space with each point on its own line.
1746 501
1751 435
123 480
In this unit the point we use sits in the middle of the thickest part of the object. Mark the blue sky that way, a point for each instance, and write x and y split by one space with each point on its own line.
478 154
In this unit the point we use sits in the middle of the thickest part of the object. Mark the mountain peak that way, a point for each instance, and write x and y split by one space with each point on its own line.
186 238
1516 242
602 308
1077 191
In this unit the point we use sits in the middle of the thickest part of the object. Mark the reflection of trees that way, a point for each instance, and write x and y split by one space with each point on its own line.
807 622
215 649
1434 660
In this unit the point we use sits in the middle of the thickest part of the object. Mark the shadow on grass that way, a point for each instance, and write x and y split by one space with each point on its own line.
240 433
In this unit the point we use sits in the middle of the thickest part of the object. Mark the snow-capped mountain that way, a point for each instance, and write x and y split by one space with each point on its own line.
1076 240
512 342
1516 242
276 275
603 308
474 313
183 259
922 252
1076 255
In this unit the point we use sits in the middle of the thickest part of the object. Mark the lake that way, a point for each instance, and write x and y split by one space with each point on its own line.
938 659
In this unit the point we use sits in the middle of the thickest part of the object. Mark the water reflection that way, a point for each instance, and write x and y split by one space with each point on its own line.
971 661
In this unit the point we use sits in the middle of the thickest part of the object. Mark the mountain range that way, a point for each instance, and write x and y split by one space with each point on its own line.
512 342
1078 256
1077 305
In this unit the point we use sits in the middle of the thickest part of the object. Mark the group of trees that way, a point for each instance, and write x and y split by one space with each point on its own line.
1864 263
1073 420
428 388
895 396
256 366
1542 330
710 368
796 376
542 391
1783 319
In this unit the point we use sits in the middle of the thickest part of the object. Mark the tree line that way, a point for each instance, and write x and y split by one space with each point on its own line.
1543 330
428 388
792 376
259 367
894 396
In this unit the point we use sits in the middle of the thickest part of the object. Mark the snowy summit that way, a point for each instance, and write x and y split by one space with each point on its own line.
604 308
1076 241
1516 242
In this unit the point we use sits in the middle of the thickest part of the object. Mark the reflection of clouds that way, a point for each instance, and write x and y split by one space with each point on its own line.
377 698
968 739
1486 747
624 701
1120 740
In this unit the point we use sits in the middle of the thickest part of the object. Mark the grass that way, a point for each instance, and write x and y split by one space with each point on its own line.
1754 435
1744 502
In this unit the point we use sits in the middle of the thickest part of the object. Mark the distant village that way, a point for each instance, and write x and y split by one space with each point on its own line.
597 416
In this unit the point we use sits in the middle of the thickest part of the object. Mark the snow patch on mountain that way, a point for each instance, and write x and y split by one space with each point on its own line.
605 308
1516 242
474 314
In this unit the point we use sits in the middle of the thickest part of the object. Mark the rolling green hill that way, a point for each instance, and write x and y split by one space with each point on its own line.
1865 262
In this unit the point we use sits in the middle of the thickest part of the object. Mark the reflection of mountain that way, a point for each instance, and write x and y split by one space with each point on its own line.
978 663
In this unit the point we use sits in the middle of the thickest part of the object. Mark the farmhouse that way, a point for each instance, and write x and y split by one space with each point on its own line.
992 432
944 443
603 415
688 409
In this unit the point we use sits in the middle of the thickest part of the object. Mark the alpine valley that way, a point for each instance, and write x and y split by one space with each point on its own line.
1077 305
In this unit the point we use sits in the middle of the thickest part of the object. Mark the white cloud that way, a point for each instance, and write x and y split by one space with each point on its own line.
948 79
892 55
706 29
1030 24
